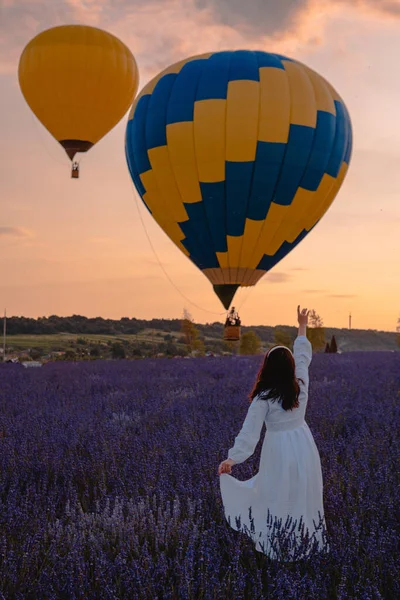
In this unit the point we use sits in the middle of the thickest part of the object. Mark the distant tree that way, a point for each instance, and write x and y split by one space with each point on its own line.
316 331
229 347
189 331
315 319
70 355
95 351
398 331
81 341
282 338
118 350
199 346
333 348
171 349
182 352
327 348
250 343
36 353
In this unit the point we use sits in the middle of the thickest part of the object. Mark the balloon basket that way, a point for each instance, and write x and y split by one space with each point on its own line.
232 333
75 171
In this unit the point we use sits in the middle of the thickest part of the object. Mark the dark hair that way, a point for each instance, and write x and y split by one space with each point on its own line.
277 378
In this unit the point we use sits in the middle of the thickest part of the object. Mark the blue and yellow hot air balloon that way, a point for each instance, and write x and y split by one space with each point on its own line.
79 81
237 155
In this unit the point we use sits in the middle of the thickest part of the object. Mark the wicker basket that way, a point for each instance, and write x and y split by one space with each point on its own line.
232 333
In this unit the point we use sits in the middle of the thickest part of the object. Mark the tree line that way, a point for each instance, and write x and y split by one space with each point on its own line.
250 342
182 333
86 325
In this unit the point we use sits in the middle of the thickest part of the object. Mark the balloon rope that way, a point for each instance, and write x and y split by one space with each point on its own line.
247 296
162 266
61 162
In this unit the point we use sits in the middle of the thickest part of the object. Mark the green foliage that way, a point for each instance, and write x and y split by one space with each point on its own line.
191 334
316 335
250 343
70 355
199 346
316 331
80 325
95 351
21 337
171 349
315 320
283 338
229 347
36 353
118 351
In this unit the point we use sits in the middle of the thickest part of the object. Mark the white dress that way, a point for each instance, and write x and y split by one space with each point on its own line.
289 481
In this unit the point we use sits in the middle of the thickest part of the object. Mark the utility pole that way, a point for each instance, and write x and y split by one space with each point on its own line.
4 335
350 321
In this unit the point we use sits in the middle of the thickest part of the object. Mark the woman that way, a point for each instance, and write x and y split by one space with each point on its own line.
283 502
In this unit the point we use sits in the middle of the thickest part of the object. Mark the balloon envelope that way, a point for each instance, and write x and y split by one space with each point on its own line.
237 155
79 81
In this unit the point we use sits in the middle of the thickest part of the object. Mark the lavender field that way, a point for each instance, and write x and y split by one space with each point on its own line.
109 486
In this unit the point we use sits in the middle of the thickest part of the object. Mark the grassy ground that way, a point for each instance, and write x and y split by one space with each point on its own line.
61 341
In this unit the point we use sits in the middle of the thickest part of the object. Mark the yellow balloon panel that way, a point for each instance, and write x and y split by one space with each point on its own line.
78 80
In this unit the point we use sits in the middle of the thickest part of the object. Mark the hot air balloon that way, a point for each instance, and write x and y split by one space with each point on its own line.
238 155
79 81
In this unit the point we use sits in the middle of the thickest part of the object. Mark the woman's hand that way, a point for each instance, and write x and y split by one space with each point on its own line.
302 315
226 466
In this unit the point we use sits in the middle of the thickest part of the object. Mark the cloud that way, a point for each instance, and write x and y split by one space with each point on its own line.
313 291
160 32
276 278
19 236
16 232
389 8
264 16
271 17
342 295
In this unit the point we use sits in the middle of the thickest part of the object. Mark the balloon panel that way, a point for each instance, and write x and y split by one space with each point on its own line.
78 80
237 155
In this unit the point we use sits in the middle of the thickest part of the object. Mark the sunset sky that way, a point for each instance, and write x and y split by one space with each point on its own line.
79 247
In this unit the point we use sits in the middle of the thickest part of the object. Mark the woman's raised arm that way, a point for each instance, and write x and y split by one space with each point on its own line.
302 349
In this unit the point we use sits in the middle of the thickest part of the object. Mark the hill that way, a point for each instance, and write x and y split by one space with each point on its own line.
157 335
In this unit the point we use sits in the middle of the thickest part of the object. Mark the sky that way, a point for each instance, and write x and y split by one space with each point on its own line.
83 246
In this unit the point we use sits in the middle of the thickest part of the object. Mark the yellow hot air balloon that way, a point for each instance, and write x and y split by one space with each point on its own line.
79 81
238 155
